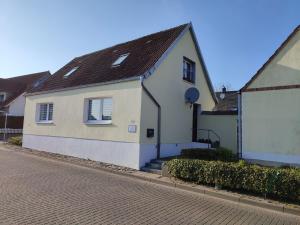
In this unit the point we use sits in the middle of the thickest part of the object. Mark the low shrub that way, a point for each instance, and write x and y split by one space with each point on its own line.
15 140
272 182
225 154
206 154
221 154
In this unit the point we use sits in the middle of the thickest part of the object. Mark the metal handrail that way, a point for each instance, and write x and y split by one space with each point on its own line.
208 135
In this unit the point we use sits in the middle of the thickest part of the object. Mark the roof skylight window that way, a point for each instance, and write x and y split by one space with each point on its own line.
36 84
120 60
71 71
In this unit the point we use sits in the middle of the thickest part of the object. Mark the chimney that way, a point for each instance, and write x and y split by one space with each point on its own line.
222 94
224 89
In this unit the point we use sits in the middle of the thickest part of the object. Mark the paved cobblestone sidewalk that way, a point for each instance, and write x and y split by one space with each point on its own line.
34 190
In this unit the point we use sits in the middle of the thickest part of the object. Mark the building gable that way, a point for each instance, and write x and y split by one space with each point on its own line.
282 69
186 44
170 69
168 87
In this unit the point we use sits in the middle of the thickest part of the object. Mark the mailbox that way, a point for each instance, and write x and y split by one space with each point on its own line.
150 132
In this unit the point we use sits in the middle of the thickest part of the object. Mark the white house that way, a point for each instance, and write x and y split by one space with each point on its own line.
270 108
12 90
124 104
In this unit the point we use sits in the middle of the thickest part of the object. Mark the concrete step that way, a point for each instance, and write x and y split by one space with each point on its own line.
154 165
150 170
157 161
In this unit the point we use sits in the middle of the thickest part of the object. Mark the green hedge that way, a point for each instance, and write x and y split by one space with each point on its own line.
220 153
273 182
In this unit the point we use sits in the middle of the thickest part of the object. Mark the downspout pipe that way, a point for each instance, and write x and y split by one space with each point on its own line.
240 138
158 115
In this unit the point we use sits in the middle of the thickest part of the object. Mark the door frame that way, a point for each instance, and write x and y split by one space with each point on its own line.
196 110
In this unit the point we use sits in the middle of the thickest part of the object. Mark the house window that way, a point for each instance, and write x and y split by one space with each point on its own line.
2 97
188 70
120 60
45 112
99 110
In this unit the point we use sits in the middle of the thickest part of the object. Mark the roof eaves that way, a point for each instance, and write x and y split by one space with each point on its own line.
83 86
30 74
271 58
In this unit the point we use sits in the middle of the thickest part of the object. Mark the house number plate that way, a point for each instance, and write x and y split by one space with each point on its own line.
131 128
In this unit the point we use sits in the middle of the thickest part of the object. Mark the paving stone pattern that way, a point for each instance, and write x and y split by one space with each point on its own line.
35 190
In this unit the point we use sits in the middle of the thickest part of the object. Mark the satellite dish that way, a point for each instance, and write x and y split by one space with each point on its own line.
191 95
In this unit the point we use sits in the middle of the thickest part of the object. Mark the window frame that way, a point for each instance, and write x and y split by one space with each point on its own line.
86 111
38 114
70 72
120 60
4 96
189 78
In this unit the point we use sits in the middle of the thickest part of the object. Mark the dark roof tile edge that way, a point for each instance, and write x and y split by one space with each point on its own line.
45 75
83 86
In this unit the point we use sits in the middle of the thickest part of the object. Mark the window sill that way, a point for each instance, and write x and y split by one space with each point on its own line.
108 122
188 81
44 122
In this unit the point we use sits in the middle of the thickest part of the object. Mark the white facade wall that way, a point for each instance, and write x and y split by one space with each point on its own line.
17 106
119 153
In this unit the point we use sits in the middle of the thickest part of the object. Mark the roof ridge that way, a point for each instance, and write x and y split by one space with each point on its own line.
123 43
30 74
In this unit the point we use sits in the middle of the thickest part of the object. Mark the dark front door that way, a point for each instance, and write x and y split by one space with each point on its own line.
195 122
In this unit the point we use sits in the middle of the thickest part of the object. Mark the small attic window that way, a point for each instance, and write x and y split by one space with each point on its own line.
120 60
2 97
36 84
147 42
71 71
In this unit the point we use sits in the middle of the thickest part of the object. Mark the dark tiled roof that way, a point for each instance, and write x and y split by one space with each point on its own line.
228 103
271 58
29 79
15 86
97 67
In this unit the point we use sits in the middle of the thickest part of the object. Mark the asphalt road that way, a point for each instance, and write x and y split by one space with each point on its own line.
35 190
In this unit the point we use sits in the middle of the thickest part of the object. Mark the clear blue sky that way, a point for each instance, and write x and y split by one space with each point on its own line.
236 37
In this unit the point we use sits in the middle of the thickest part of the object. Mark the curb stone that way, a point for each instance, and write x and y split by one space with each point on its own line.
156 179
